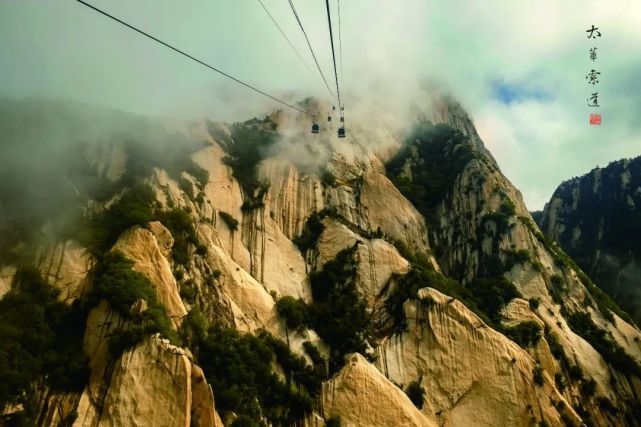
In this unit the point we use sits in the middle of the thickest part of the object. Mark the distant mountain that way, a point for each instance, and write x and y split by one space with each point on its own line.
596 218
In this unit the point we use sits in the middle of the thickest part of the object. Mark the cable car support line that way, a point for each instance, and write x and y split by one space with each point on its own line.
289 41
193 58
340 38
331 38
300 24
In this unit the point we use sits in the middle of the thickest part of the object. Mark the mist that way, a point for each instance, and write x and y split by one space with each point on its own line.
57 155
389 50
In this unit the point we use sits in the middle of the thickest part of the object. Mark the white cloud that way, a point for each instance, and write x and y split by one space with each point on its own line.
388 48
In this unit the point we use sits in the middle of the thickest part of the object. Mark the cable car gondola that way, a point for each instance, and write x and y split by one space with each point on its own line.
341 132
315 126
329 117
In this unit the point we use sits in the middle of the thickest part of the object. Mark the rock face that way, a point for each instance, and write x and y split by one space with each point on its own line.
378 260
361 395
480 228
153 384
66 265
475 226
596 219
472 374
141 246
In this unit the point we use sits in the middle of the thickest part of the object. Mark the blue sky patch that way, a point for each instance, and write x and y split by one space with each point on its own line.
508 93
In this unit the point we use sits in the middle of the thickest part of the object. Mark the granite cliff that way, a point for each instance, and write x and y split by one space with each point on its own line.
217 281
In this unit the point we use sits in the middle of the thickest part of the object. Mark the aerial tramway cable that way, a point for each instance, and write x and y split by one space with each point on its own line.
340 38
331 38
194 59
300 24
289 41
341 130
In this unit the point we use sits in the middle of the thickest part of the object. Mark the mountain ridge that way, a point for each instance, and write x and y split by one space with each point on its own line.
446 283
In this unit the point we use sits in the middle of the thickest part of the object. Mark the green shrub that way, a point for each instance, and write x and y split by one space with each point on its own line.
295 368
421 275
231 222
587 388
537 375
193 330
294 311
575 372
583 325
525 334
311 233
606 405
559 380
507 207
499 218
516 257
328 179
339 313
99 232
416 393
492 294
188 292
181 226
333 422
245 151
39 338
201 175
435 156
319 362
567 419
239 367
119 285
245 421
186 186
557 281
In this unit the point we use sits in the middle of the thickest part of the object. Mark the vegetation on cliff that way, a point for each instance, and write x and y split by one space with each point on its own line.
338 312
40 340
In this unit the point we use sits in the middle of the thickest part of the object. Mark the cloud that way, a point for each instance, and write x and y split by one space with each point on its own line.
518 68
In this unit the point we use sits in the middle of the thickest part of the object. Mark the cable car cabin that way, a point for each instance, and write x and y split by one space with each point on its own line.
333 108
315 128
329 118
342 119
341 132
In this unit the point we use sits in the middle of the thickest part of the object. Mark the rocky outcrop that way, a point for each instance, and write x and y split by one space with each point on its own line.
377 259
65 265
361 396
7 273
593 217
472 375
292 196
141 246
152 384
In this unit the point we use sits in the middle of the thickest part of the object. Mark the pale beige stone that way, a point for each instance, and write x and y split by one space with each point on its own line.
141 246
362 396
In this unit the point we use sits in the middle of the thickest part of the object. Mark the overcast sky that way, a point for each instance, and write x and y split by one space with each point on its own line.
518 67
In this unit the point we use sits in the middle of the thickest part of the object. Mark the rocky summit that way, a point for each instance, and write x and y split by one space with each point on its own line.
595 218
161 273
